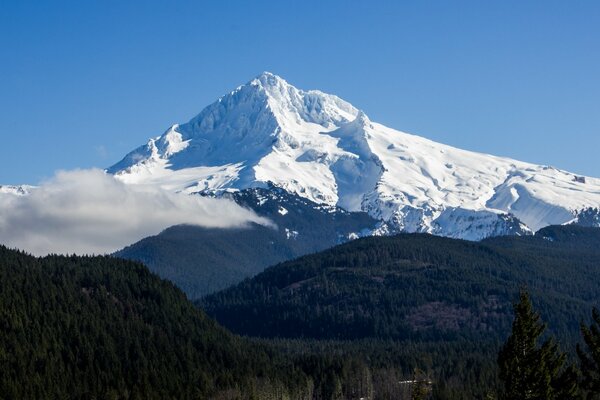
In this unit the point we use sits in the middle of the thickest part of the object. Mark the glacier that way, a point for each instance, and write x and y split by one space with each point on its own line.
268 133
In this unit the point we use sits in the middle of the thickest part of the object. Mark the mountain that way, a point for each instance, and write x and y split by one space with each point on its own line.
444 305
419 287
319 147
102 328
20 190
204 260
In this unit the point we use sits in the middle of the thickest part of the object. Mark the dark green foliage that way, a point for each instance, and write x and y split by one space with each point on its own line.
462 370
391 287
439 304
105 328
417 287
590 357
98 327
530 371
520 361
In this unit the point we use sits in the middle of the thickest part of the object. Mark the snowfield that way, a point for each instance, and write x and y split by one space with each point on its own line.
21 190
322 148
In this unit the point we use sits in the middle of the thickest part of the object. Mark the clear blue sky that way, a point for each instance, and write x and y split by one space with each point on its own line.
84 82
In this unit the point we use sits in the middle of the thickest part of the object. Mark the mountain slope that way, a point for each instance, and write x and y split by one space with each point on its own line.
315 145
16 190
103 328
99 327
419 287
203 260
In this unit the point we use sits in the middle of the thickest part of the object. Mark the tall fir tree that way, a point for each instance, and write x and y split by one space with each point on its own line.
529 371
590 359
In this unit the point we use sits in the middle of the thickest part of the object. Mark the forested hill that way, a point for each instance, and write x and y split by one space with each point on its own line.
99 327
104 328
419 287
203 260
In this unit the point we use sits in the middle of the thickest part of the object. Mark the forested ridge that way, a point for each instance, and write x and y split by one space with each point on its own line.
415 300
411 316
104 328
204 260
418 287
100 327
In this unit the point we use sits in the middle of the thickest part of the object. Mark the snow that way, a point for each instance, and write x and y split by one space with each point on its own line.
324 149
20 190
477 224
290 234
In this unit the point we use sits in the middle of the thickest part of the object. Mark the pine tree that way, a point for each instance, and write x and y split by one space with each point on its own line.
530 372
590 360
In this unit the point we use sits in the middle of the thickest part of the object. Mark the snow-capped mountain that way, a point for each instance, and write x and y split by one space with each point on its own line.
320 147
20 190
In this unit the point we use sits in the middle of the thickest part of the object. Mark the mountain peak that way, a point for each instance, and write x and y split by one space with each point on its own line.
289 103
241 128
269 79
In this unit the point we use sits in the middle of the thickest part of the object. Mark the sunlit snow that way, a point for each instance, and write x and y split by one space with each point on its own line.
324 149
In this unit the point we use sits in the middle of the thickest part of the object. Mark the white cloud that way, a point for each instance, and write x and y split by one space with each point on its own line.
88 211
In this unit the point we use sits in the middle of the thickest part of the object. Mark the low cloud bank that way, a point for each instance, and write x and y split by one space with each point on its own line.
90 212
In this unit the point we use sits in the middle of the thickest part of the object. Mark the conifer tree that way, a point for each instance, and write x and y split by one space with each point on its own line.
590 359
529 371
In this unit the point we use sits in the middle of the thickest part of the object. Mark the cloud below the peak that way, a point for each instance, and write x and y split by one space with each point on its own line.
91 212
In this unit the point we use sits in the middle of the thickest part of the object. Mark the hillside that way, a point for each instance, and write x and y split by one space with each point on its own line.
201 261
99 327
419 287
82 327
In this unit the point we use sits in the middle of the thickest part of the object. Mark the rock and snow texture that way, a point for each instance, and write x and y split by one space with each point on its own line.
324 149
20 190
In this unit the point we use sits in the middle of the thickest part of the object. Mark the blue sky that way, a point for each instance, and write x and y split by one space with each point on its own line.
82 83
